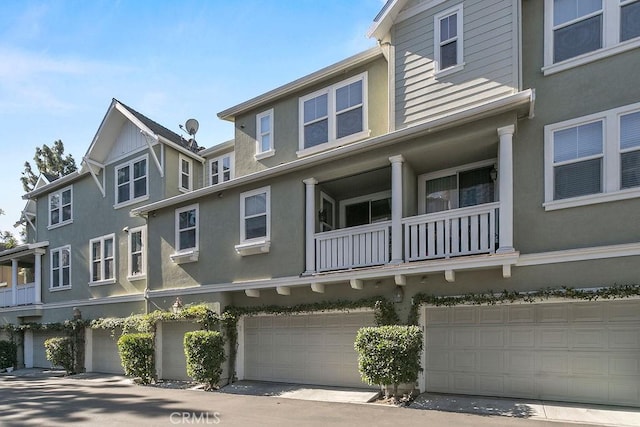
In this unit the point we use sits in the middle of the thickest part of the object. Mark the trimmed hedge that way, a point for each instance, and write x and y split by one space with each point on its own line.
60 352
389 355
137 354
204 351
8 354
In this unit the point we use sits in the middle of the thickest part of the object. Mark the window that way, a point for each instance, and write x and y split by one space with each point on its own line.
137 253
131 181
327 213
254 212
60 212
448 40
187 228
61 268
580 31
334 115
185 174
367 209
593 159
102 260
221 169
264 135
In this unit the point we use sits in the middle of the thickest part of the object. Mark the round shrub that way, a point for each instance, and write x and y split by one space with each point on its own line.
204 351
59 351
8 354
137 354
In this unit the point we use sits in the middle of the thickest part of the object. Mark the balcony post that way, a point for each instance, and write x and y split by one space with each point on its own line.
310 225
14 282
396 209
37 276
505 188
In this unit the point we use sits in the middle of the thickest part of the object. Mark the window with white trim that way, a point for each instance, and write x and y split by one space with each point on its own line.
60 268
593 159
580 28
132 182
187 228
102 266
137 253
448 40
185 173
367 209
221 169
334 115
255 212
60 207
264 135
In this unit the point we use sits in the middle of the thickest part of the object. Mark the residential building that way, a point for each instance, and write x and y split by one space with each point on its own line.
481 146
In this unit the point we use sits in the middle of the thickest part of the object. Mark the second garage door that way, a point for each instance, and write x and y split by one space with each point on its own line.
305 349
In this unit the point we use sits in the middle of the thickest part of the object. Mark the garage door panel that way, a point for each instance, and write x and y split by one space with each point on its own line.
552 387
464 361
588 338
588 389
623 311
552 362
520 361
552 338
490 384
625 391
553 313
464 383
438 360
438 338
624 338
519 386
464 337
588 312
520 337
464 315
493 337
588 364
438 316
520 314
490 361
491 314
624 364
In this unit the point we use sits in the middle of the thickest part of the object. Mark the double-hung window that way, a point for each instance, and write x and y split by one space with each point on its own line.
264 135
448 40
102 267
593 159
132 182
137 253
185 174
221 169
60 268
187 228
581 31
255 222
333 115
60 207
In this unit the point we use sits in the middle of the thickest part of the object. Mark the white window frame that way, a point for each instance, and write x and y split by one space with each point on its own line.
184 255
220 159
257 244
611 44
380 195
610 165
61 222
332 141
131 199
181 173
102 280
260 153
60 269
143 253
325 226
437 42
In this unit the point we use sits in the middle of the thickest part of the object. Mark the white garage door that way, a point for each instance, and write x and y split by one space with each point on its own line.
39 351
578 351
305 349
105 352
174 362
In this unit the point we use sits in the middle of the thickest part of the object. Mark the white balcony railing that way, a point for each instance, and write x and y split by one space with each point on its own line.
25 294
464 231
361 246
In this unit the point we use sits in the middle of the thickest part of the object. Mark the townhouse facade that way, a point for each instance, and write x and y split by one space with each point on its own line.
481 146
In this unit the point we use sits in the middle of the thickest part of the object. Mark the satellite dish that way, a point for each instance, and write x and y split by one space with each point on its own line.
192 126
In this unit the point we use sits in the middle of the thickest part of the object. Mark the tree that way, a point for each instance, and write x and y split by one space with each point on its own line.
7 240
49 160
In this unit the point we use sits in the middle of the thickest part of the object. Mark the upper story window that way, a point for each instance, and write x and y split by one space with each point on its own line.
187 228
137 253
221 169
60 268
132 182
367 209
254 213
102 267
334 115
185 173
264 135
581 31
448 41
60 207
593 159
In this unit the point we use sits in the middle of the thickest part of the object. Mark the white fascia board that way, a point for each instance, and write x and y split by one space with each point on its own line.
383 24
580 254
60 182
301 83
180 148
217 148
10 253
498 106
119 299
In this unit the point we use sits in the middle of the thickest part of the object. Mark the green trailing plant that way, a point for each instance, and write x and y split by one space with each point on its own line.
8 354
389 355
204 351
137 353
60 352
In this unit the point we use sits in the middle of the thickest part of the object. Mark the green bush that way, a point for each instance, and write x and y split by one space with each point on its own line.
389 355
137 353
59 352
8 354
205 353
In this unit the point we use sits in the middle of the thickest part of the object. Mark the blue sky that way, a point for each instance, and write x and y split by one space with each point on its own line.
61 63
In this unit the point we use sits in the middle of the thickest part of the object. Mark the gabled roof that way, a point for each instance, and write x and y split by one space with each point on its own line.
384 20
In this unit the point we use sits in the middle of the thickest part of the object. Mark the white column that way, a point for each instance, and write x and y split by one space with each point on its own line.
37 276
14 282
310 225
396 209
505 188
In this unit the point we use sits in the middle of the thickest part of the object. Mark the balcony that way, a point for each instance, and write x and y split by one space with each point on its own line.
25 294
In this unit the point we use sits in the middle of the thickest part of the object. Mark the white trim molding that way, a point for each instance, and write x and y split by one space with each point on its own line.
580 254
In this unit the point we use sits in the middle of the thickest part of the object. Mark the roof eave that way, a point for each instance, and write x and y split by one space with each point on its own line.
60 182
383 24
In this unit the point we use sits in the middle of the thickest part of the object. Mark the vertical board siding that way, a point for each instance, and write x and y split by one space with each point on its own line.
489 71
129 140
